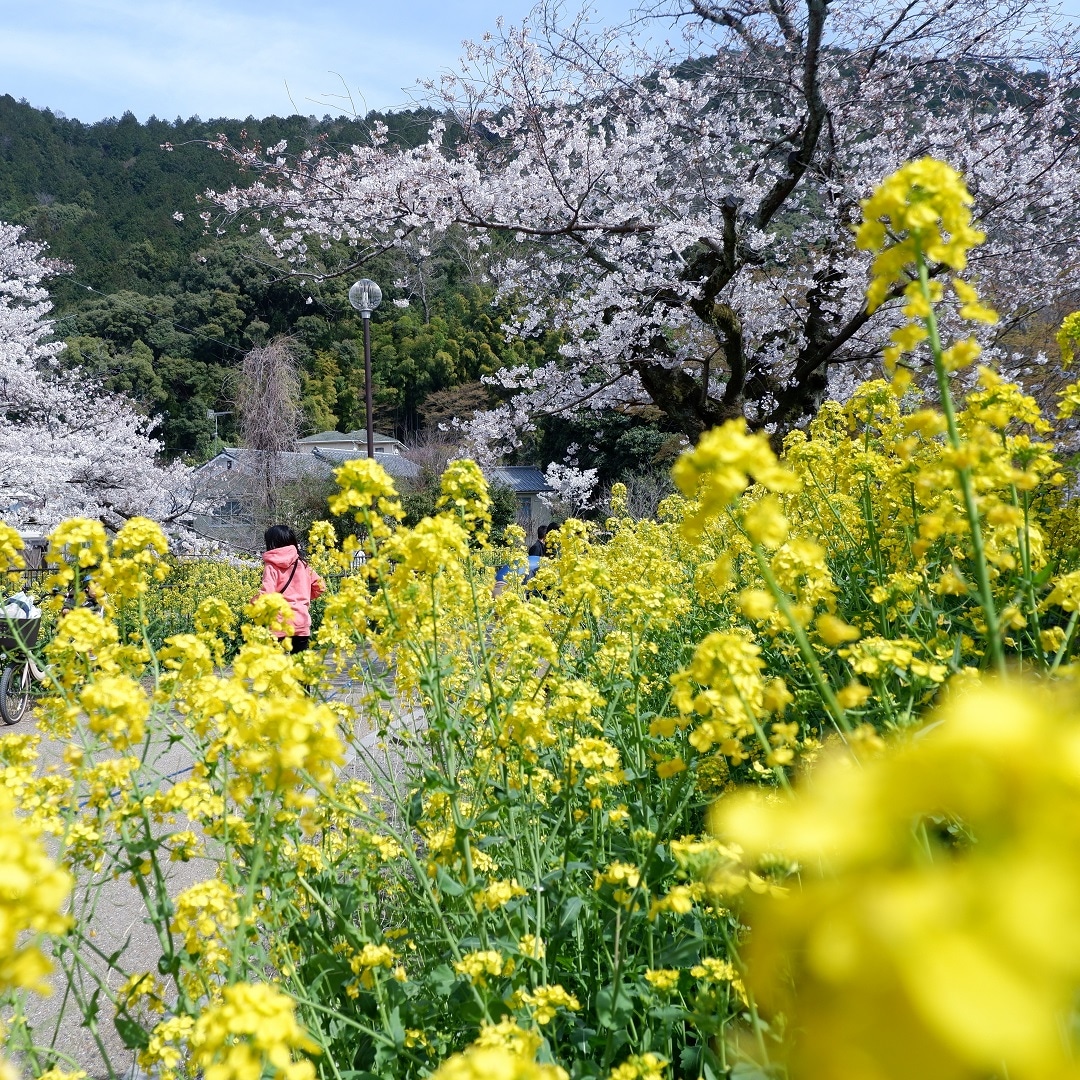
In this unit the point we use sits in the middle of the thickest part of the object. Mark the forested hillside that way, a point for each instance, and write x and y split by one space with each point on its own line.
163 308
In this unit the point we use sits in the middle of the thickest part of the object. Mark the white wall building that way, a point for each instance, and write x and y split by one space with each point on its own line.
351 442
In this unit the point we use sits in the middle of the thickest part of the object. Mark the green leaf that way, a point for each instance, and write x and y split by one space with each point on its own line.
441 979
397 1029
570 910
447 884
680 954
668 1014
132 1034
614 1005
416 808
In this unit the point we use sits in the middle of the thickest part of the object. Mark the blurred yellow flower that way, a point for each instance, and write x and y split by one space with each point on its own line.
919 951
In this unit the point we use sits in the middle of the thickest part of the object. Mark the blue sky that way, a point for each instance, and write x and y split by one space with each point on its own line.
95 58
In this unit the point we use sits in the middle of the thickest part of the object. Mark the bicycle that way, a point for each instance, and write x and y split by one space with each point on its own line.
21 673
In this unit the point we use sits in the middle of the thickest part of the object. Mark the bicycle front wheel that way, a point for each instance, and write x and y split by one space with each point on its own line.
15 692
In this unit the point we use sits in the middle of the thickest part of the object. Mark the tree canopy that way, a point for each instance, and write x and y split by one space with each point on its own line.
683 212
67 449
160 307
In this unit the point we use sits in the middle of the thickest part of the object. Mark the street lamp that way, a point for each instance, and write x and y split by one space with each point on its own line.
366 296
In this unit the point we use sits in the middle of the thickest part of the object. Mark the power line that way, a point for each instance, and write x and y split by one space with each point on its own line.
157 319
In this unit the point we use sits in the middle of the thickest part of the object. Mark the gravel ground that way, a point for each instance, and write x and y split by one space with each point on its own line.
115 912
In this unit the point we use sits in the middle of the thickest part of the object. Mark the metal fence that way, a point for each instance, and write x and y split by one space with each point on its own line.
33 578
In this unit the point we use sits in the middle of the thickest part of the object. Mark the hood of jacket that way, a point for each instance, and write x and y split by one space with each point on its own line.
281 558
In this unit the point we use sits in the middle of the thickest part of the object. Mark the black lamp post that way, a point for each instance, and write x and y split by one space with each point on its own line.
366 296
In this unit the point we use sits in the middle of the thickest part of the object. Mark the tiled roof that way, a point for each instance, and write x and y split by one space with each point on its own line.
524 479
361 436
394 464
329 436
296 466
347 437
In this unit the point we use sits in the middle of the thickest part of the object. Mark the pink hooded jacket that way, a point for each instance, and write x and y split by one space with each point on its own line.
302 589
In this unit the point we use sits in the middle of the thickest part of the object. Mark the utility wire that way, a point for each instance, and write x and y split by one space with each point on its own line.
143 311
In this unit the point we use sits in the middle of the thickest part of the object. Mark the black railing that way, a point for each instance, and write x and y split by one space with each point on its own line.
33 578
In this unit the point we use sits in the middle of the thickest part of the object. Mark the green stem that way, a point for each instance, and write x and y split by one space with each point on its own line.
833 706
967 488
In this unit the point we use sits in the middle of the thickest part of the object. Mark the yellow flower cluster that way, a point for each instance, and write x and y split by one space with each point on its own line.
481 963
544 1002
598 759
33 891
502 1051
113 574
76 547
366 492
369 959
914 946
463 495
924 208
719 469
495 1063
640 1067
666 980
497 894
1068 335
927 205
166 1048
11 546
252 1032
205 918
117 708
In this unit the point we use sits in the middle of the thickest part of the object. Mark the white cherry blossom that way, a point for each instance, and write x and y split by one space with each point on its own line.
682 211
67 447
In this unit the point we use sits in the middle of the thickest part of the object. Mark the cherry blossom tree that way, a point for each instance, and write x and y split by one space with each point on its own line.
683 209
67 447
572 489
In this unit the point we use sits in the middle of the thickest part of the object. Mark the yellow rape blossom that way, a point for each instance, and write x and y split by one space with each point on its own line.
531 946
927 204
368 959
640 1067
903 948
76 546
481 963
117 709
497 894
253 1029
664 980
33 892
545 1001
720 468
204 915
463 495
11 546
495 1063
166 1050
1067 337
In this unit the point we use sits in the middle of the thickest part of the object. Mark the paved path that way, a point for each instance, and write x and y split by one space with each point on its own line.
115 913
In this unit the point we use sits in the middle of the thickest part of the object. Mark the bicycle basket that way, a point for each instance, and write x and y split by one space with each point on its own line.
18 634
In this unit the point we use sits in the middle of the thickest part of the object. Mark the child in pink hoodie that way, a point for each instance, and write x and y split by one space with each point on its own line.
286 573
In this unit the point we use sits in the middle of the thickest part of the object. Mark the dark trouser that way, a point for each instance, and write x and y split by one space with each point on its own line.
299 642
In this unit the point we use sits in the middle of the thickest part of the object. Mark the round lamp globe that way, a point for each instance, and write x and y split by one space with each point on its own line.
365 296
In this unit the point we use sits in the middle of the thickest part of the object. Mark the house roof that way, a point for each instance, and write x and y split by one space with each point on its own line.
346 437
239 462
394 464
524 479
361 436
